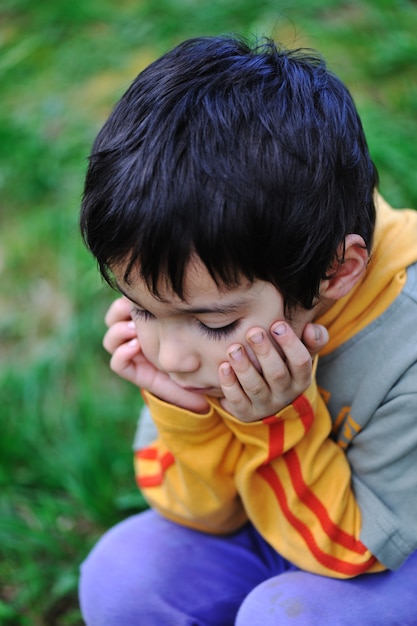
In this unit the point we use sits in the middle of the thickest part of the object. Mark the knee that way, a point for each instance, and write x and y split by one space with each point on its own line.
112 587
294 598
301 599
268 603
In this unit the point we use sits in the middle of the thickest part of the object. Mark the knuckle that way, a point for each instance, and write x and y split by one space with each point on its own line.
114 364
263 349
304 361
236 401
279 375
107 344
256 389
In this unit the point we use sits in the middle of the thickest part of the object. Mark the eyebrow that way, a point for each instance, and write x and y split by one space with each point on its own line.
222 309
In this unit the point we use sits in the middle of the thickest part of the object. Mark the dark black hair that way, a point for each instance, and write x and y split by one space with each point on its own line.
252 157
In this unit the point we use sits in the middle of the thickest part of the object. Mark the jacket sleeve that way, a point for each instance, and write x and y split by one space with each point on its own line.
187 473
295 485
383 457
370 385
213 472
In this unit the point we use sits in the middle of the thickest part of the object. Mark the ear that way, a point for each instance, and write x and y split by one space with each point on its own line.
345 273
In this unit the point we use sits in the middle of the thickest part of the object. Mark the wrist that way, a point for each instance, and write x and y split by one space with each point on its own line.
174 417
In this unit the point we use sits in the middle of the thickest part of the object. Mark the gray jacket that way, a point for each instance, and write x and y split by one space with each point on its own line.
373 382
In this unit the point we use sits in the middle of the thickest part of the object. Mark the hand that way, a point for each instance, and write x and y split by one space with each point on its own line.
314 337
129 362
285 365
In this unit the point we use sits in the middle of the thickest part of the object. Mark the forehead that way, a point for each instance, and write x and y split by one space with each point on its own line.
199 289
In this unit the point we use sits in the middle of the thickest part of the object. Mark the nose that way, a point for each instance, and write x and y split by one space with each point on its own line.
177 354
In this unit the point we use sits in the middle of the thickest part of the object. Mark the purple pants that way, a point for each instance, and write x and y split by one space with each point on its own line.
148 571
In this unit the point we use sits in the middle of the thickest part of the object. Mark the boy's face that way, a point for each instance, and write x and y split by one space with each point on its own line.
188 339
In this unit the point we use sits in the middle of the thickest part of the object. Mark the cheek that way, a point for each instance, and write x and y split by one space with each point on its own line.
300 323
148 341
219 353
213 353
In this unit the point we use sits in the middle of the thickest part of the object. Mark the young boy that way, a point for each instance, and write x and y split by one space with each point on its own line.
232 200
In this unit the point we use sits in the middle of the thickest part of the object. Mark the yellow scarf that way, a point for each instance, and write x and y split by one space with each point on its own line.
395 247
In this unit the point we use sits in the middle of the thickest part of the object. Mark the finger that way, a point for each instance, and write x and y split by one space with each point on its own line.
251 381
315 337
118 334
272 361
235 401
298 358
122 361
118 311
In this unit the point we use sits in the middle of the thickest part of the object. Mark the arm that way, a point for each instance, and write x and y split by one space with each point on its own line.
295 484
294 481
187 474
202 496
383 457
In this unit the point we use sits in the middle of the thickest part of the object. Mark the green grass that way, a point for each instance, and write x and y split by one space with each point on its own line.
66 422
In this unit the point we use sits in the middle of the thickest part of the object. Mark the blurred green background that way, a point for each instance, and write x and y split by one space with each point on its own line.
66 421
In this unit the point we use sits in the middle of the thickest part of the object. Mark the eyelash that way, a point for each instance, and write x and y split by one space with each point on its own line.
211 333
218 333
141 314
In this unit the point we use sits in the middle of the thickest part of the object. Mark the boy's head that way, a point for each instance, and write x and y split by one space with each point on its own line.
251 158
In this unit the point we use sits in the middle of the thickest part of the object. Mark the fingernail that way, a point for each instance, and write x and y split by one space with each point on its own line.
226 369
279 329
133 342
131 325
257 337
317 332
236 354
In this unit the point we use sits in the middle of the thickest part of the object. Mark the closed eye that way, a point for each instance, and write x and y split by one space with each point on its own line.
141 314
212 333
218 333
